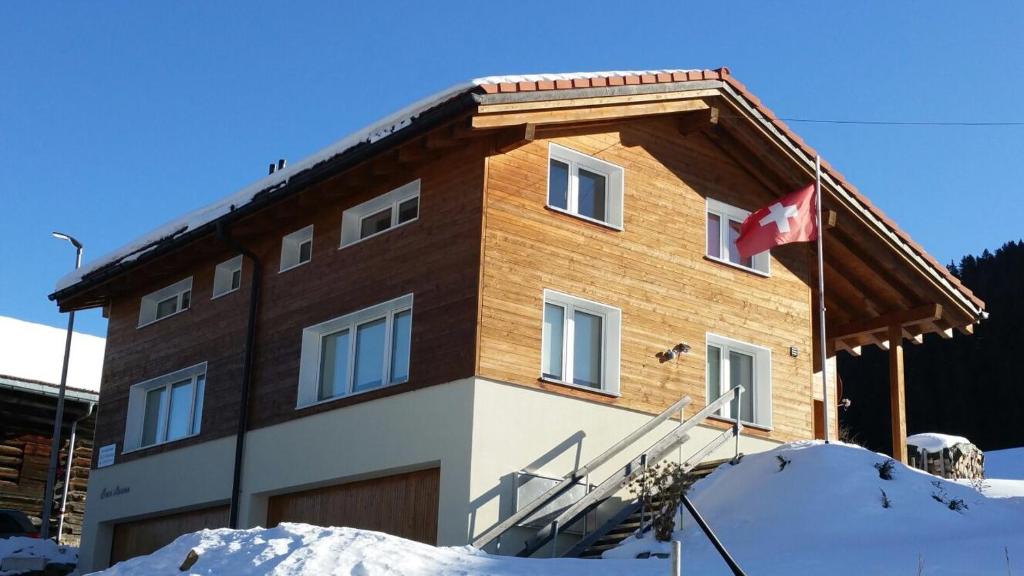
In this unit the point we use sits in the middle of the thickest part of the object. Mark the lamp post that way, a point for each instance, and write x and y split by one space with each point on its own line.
51 471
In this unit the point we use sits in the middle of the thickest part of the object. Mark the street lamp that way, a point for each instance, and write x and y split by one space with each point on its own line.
51 471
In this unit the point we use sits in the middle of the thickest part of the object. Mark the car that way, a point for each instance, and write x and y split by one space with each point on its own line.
16 523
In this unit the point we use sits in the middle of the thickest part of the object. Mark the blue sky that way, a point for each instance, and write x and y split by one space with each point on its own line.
118 116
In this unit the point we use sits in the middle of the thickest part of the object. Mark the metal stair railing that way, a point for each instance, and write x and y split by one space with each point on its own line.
576 475
623 475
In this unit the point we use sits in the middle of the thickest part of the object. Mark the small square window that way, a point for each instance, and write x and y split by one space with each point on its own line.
296 248
585 186
165 302
378 215
227 276
580 342
722 228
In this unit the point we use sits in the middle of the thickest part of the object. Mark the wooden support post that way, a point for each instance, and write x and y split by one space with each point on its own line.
897 396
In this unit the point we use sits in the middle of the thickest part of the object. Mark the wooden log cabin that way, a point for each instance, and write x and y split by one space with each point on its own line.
486 289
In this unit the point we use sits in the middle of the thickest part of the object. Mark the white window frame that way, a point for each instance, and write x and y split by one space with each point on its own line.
134 423
312 346
222 275
614 180
762 378
352 219
725 212
149 303
291 248
611 340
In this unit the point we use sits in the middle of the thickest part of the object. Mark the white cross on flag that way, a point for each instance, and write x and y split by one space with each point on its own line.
789 219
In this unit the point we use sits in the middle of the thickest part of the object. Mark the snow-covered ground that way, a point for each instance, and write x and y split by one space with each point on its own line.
37 548
822 513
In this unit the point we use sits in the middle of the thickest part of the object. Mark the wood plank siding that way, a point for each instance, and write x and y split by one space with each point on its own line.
403 505
654 270
145 536
435 257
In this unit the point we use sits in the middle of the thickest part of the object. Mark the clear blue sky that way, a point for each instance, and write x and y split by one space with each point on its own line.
118 116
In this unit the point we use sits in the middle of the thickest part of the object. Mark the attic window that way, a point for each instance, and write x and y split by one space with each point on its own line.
378 215
165 302
227 276
584 186
297 248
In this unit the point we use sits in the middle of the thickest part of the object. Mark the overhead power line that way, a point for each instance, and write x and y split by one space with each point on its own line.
897 123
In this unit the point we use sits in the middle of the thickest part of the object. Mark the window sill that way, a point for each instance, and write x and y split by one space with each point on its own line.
727 420
151 322
375 234
754 271
222 294
294 266
350 395
579 387
584 218
164 443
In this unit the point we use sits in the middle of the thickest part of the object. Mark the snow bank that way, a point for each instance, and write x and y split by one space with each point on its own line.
933 442
372 133
36 352
37 548
823 514
1007 463
300 549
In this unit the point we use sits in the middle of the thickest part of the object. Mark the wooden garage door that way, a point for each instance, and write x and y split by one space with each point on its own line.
148 535
404 505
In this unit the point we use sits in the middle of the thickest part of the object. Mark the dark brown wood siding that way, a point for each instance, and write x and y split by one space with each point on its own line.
403 505
436 257
146 536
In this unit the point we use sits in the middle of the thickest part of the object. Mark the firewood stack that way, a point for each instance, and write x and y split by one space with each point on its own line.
963 460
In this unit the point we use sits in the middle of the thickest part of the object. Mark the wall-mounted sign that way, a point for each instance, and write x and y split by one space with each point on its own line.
106 457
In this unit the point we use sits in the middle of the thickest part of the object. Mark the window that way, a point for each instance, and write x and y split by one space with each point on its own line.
375 216
580 342
584 186
361 351
723 227
731 363
166 408
297 248
165 302
227 276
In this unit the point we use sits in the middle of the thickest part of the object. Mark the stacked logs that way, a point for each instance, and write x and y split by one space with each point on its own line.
960 461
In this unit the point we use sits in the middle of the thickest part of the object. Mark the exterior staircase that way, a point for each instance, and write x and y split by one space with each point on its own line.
595 543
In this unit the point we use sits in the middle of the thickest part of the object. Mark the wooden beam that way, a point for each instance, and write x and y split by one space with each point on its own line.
898 318
747 160
897 395
698 121
513 137
598 101
917 338
586 114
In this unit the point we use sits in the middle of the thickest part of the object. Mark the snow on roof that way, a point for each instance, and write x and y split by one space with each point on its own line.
372 133
935 442
30 351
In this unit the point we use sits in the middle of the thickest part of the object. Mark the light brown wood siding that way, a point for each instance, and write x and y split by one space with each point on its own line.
654 270
145 536
403 505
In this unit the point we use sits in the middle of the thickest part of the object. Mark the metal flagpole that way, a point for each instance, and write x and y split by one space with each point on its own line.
821 294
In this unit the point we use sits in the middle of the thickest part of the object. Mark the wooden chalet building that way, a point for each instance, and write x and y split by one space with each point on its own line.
490 287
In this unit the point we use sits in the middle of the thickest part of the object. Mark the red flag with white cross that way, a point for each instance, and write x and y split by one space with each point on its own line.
789 219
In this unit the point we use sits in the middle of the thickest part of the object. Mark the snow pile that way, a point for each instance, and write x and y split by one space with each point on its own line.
36 352
37 548
1007 463
823 513
300 549
933 442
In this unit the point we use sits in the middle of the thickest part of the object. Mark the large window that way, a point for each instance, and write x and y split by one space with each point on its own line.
723 228
584 186
731 363
165 302
580 342
377 215
166 408
296 248
357 352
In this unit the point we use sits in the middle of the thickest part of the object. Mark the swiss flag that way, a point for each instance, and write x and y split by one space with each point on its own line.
789 219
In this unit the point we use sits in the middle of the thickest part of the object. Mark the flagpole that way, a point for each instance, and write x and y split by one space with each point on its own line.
821 294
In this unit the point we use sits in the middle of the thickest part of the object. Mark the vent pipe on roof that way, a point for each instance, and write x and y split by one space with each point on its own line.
271 168
281 164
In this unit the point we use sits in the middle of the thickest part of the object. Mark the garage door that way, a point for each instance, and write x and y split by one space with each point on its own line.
404 505
145 536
